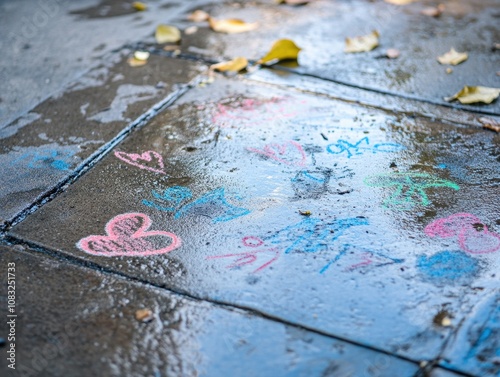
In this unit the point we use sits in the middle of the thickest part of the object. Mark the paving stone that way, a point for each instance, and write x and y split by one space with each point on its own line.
320 29
361 223
475 348
55 138
74 321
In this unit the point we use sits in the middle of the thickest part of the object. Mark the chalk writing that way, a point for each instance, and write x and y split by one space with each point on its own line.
358 258
289 153
312 184
53 158
472 235
127 235
212 204
361 147
409 188
251 112
251 256
448 266
149 160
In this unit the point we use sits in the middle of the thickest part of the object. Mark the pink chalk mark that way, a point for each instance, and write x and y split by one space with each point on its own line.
289 153
250 257
127 235
470 239
140 160
366 261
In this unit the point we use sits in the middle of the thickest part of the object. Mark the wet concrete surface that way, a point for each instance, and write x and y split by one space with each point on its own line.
330 218
321 27
57 137
322 194
82 322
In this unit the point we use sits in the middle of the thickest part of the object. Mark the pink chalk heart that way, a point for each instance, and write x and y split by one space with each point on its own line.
290 153
451 226
149 160
479 242
127 235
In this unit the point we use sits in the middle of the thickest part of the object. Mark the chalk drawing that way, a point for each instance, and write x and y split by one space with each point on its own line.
127 235
51 158
409 188
361 257
252 255
448 266
149 160
361 147
251 112
289 153
472 235
212 204
312 184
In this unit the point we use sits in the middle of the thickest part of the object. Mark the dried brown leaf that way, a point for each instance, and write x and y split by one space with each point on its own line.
475 94
198 16
231 26
453 57
363 43
490 123
433 11
235 65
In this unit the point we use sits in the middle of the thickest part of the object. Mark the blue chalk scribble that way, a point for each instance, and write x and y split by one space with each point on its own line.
52 158
448 266
358 148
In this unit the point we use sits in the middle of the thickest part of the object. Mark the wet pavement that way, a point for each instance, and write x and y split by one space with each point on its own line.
336 218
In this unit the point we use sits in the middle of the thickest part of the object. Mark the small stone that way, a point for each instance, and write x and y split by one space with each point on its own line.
144 315
392 53
449 70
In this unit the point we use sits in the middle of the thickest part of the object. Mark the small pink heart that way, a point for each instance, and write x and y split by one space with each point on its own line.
127 235
479 242
289 153
140 160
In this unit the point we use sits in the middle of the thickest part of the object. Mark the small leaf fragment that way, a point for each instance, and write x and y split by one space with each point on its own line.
141 55
144 315
363 43
392 53
231 26
490 123
198 16
167 34
453 57
399 2
449 70
282 49
305 213
433 11
138 6
235 65
191 30
475 94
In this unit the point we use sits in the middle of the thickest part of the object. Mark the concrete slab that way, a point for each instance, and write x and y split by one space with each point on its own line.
475 348
74 321
56 138
349 220
48 44
321 27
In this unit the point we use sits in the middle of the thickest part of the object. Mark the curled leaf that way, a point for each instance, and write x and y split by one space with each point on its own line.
235 65
475 94
138 6
198 16
231 26
167 34
453 57
282 49
433 11
490 123
399 2
364 43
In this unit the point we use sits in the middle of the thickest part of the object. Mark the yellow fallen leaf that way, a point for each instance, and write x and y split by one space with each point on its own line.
490 123
399 2
453 57
133 62
167 34
475 94
231 25
282 49
364 43
235 65
137 5
198 16
141 55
